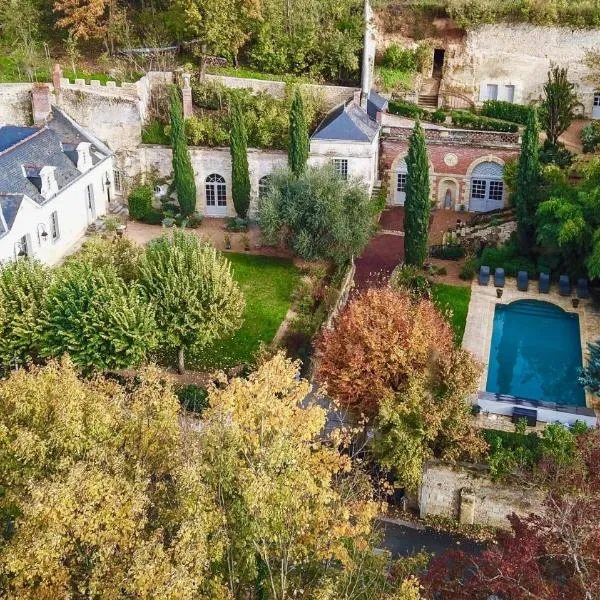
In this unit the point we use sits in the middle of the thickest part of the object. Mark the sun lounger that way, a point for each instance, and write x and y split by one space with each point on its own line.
564 285
499 278
544 283
522 281
484 275
582 288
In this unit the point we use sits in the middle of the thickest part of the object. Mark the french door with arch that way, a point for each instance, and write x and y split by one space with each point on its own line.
216 196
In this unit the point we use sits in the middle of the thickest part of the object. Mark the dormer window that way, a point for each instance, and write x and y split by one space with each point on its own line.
84 158
80 155
43 178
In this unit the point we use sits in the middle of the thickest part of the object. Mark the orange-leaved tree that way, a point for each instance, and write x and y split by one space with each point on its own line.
392 359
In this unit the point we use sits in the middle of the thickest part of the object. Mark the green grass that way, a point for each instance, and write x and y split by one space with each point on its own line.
455 299
267 284
249 73
393 79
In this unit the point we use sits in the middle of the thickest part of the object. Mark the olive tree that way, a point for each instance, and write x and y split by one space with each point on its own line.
190 284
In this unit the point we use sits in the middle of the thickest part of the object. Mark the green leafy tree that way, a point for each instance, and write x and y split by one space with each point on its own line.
23 289
526 186
568 222
317 215
240 177
197 300
417 206
299 143
183 173
560 99
96 318
590 375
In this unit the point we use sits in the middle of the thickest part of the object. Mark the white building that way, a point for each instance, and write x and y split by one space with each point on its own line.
55 180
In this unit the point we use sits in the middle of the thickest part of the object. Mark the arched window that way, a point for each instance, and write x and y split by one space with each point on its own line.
264 184
216 191
487 187
400 183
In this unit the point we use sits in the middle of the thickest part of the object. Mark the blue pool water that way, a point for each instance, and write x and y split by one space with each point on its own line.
536 353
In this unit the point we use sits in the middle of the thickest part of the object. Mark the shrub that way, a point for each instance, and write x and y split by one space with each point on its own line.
411 279
469 268
437 116
235 224
447 252
193 398
506 257
140 202
590 137
400 58
467 120
155 132
405 109
154 217
194 220
500 109
556 154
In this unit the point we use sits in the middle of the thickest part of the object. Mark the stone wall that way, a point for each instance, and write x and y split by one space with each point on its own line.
332 94
208 161
15 104
468 494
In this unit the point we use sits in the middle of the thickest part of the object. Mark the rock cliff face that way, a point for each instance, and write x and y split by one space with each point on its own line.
510 61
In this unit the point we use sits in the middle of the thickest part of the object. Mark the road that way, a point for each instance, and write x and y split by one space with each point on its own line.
402 540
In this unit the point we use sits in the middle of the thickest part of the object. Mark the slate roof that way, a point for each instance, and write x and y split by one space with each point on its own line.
31 149
12 134
349 122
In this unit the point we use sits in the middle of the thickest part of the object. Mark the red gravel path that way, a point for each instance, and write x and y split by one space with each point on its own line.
378 260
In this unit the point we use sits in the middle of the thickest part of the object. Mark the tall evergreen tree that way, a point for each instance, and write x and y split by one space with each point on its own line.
590 375
556 112
526 194
417 205
183 174
299 143
240 177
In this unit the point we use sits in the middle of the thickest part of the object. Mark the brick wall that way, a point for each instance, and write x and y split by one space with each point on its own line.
450 162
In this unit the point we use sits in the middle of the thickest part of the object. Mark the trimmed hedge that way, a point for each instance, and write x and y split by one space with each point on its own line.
447 252
405 109
467 120
507 111
154 217
140 202
507 257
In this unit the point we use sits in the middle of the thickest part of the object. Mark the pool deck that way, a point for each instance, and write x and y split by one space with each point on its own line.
480 321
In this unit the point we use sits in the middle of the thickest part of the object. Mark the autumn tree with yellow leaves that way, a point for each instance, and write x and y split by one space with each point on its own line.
108 492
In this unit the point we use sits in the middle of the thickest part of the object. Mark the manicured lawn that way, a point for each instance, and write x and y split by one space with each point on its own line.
267 284
455 299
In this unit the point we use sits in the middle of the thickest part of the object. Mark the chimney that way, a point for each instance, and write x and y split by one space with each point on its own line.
368 58
40 103
56 76
186 92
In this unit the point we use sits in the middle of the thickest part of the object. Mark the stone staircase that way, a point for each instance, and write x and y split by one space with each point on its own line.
428 95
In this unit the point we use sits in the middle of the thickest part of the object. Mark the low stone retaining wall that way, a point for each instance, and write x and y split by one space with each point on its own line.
466 493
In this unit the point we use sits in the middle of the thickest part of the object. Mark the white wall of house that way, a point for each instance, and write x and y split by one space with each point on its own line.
362 157
362 164
73 216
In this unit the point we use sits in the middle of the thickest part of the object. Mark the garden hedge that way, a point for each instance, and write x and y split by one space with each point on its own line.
507 111
140 202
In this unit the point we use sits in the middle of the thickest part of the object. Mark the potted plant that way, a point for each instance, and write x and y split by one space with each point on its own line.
575 302
227 240
246 242
499 292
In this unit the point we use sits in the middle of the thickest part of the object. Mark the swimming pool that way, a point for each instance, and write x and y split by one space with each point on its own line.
535 353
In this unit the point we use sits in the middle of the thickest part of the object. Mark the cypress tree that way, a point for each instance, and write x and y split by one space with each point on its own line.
240 178
183 174
417 205
590 376
299 143
525 196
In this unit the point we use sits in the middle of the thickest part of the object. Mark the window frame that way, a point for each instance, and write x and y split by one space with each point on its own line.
479 189
597 99
401 182
54 226
264 184
341 167
117 181
215 188
496 190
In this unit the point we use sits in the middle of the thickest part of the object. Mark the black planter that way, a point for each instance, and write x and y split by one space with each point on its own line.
499 292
